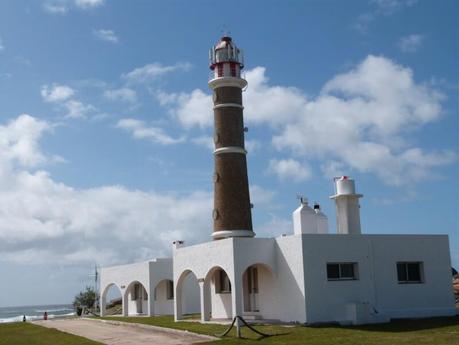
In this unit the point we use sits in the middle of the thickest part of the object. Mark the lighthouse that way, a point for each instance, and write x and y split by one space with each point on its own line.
232 209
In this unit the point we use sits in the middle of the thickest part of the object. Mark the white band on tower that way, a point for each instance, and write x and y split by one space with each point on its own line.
227 81
224 105
232 233
230 149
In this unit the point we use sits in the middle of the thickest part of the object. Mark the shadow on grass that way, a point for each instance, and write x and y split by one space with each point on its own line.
402 325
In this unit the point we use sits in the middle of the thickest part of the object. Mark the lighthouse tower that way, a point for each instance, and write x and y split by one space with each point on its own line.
232 209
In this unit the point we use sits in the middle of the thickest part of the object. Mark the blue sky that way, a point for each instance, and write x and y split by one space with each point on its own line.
106 125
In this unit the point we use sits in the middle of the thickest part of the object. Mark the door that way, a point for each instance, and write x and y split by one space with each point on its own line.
252 280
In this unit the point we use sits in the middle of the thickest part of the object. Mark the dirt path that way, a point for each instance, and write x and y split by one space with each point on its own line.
121 333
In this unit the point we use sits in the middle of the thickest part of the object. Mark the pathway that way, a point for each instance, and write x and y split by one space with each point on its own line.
122 333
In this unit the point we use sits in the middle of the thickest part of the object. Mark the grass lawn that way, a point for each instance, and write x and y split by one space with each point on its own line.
24 333
434 331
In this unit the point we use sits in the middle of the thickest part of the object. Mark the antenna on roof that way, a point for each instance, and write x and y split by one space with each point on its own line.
302 198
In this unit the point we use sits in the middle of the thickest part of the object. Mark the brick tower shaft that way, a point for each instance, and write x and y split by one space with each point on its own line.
232 208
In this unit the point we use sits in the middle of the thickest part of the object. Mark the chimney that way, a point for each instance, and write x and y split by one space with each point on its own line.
347 206
304 219
322 220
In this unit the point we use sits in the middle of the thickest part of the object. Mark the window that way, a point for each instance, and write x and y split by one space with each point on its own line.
342 271
220 70
170 289
409 272
222 282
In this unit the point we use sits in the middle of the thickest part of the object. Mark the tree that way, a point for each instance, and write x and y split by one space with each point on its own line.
85 298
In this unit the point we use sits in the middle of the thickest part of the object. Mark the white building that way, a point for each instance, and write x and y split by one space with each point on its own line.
146 288
314 277
309 276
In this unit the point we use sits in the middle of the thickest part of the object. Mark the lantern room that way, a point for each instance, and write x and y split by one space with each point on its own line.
226 59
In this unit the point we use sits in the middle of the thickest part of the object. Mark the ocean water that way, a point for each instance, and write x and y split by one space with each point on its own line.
15 314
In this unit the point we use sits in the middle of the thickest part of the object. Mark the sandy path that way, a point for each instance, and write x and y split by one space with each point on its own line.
121 333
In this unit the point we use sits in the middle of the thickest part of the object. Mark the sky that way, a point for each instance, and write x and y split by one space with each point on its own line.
106 125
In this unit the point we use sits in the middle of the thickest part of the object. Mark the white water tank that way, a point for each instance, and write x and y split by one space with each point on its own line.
347 206
304 219
321 219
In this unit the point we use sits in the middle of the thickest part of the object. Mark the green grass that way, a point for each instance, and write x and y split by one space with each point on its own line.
24 333
433 331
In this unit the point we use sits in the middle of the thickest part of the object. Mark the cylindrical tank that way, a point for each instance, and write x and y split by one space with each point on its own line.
321 219
345 186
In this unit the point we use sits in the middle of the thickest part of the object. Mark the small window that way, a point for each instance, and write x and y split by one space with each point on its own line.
170 289
222 282
342 271
409 272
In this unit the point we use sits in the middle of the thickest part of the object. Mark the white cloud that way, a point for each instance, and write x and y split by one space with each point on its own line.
363 22
42 220
262 198
106 35
361 120
1 44
62 95
64 6
56 93
86 4
190 109
123 94
19 142
154 70
410 43
77 109
204 141
388 7
56 7
290 170
139 130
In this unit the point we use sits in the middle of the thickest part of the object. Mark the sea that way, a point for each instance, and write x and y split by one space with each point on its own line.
16 314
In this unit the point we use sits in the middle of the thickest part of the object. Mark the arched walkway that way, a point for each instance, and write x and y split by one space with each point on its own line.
217 292
135 299
111 301
187 296
260 292
164 298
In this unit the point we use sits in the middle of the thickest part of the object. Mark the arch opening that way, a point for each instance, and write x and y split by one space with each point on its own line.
135 299
260 292
187 297
217 295
111 301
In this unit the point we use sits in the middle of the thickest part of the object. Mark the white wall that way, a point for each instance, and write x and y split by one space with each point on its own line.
290 276
220 302
163 305
433 297
377 288
148 273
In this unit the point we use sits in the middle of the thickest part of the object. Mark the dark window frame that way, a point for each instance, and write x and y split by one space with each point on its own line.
336 271
406 275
